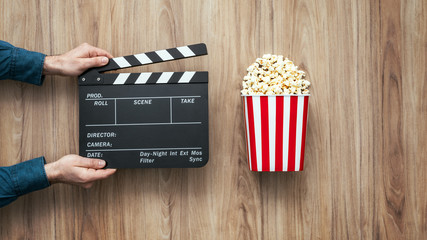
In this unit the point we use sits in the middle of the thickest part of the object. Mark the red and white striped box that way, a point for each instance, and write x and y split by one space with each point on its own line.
275 127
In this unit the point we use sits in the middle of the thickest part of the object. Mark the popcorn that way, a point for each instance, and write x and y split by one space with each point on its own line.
272 75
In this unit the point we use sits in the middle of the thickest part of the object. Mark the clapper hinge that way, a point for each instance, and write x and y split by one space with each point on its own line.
91 77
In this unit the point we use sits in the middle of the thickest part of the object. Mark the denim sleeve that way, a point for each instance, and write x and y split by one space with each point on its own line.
20 64
22 178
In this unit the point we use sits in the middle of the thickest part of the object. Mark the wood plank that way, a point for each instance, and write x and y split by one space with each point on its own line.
365 149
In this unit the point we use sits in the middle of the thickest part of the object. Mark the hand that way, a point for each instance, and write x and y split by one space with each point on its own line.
76 61
76 170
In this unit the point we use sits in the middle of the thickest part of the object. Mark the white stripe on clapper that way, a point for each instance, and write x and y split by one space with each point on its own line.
186 51
258 137
164 78
298 140
272 130
121 61
286 110
121 79
164 55
186 77
143 77
142 58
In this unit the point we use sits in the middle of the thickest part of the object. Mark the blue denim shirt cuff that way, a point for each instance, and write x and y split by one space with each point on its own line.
29 176
27 66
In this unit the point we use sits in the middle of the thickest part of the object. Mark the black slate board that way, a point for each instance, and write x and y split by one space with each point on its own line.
158 124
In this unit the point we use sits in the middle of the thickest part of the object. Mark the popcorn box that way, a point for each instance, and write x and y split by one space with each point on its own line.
275 127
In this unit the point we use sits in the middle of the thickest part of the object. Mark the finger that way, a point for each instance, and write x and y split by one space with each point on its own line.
93 62
94 175
90 163
87 185
95 52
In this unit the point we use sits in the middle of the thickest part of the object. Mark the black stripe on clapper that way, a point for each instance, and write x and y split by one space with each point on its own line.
198 49
175 77
153 78
132 78
109 78
154 57
132 60
175 53
200 77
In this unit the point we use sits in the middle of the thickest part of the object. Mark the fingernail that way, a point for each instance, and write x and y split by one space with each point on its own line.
101 163
104 60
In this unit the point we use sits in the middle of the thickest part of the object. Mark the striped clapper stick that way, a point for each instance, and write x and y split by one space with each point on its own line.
149 119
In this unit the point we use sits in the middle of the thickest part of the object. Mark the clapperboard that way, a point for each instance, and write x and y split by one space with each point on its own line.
140 120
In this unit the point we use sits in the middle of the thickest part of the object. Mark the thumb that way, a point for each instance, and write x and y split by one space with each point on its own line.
91 163
94 62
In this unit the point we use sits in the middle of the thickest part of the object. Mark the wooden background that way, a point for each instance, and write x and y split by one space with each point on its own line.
365 169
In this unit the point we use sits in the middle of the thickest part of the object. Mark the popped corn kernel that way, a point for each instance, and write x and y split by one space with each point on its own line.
274 74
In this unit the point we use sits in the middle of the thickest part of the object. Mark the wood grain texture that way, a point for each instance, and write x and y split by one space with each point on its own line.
365 167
